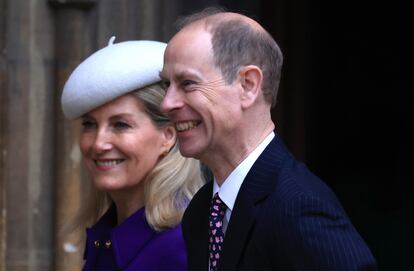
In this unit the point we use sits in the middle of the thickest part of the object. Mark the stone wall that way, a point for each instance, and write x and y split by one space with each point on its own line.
41 42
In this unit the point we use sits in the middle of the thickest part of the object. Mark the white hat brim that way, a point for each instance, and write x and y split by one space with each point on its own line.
110 73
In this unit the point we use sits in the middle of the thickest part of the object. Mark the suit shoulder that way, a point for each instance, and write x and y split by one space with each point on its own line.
295 181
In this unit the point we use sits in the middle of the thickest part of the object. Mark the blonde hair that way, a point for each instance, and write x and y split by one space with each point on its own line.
168 188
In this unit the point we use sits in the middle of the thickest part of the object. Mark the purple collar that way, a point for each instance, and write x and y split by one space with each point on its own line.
128 238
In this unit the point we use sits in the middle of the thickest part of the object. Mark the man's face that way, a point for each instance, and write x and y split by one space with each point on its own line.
203 107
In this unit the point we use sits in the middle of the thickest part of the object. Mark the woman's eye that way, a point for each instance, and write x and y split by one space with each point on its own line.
87 124
121 125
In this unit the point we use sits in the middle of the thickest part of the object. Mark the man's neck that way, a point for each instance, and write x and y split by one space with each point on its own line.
226 158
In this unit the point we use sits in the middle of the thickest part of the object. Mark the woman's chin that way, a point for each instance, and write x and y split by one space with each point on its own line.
106 186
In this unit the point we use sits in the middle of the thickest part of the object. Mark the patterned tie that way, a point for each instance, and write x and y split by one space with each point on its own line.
216 235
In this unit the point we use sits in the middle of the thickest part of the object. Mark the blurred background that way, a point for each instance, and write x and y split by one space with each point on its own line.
344 109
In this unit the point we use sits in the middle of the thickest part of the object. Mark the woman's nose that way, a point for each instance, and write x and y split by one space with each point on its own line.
103 142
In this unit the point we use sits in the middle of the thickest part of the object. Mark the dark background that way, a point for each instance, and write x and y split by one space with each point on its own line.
344 107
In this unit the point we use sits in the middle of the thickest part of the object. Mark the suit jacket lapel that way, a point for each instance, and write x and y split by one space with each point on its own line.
259 182
196 232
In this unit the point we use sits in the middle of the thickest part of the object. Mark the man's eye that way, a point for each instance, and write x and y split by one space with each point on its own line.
165 84
187 83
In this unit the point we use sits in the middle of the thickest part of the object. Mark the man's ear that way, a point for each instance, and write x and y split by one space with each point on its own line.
251 78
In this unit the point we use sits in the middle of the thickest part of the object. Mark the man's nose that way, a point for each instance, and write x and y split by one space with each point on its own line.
173 100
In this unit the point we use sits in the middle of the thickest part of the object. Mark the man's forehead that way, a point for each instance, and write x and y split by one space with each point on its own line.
178 72
190 33
188 46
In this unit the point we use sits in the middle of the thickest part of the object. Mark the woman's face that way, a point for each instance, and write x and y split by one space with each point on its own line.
120 144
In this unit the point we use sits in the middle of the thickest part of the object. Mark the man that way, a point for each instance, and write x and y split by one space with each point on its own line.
222 72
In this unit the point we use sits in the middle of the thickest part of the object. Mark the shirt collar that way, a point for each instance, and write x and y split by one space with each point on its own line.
231 185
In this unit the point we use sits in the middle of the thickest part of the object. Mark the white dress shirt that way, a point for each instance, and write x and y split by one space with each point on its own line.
231 185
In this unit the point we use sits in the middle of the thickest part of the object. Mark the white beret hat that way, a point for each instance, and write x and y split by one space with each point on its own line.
110 73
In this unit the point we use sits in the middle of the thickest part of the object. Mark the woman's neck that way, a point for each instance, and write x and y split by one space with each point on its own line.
127 203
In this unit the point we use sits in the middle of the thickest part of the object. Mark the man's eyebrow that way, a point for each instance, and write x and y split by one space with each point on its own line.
179 76
186 74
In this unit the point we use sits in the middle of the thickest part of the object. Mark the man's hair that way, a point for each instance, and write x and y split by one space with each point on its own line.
236 44
198 16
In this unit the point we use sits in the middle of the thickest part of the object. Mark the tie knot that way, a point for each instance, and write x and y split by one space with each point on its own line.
218 207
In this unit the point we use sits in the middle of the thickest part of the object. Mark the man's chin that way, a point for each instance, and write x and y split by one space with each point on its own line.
189 152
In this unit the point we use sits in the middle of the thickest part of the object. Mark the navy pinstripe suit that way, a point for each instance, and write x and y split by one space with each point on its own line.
284 218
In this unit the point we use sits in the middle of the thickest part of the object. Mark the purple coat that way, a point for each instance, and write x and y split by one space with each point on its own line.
133 245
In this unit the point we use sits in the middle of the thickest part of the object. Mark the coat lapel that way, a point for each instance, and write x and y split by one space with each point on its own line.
259 182
130 237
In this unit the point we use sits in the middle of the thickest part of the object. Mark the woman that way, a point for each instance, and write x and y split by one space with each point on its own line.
140 182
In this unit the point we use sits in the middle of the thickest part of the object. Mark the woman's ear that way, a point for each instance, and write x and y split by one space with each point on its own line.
251 78
169 138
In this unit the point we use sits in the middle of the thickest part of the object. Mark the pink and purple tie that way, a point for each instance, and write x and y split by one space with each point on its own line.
216 234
